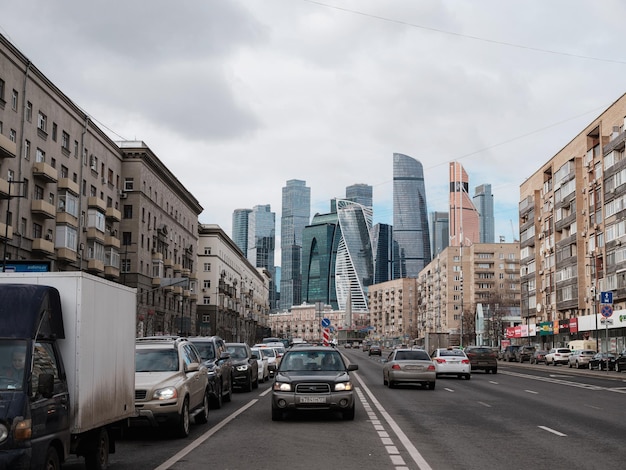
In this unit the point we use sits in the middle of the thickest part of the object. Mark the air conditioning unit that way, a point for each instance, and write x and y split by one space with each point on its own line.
123 195
618 242
583 212
84 229
203 289
583 233
541 271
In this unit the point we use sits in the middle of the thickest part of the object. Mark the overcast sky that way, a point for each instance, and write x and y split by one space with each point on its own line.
238 96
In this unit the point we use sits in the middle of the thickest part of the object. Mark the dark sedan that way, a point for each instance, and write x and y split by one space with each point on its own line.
482 358
602 360
620 362
539 356
313 379
375 350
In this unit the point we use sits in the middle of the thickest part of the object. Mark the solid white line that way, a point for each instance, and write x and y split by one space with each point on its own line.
408 445
552 431
532 391
449 390
484 404
175 458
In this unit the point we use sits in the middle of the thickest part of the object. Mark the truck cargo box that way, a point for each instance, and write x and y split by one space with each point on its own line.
98 349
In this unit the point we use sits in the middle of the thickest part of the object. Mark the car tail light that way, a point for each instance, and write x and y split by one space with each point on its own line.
465 361
440 360
396 367
431 367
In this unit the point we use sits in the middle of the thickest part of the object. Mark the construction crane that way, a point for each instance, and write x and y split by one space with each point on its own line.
513 231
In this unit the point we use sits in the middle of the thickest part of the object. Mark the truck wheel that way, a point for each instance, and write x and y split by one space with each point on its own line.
52 460
182 428
203 416
97 457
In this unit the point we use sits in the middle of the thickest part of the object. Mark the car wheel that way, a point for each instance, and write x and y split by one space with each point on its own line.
52 459
255 384
182 427
468 376
590 366
229 393
392 384
277 414
431 385
203 416
217 401
494 370
616 367
384 380
348 414
97 457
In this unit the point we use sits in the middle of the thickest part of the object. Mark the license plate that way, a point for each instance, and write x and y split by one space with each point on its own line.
312 399
413 367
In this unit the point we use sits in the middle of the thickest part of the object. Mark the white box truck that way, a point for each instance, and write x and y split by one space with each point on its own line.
74 334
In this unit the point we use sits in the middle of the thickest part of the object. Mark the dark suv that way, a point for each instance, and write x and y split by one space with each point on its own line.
215 357
524 353
482 358
509 353
245 366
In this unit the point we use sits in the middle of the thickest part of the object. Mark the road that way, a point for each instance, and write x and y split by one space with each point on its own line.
527 416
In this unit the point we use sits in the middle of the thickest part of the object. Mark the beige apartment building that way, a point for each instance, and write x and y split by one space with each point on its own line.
393 310
572 237
465 283
73 199
233 295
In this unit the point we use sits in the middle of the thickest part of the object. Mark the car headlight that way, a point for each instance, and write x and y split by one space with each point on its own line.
4 432
282 387
165 393
242 368
343 387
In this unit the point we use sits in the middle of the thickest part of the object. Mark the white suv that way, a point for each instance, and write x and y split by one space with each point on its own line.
558 356
171 384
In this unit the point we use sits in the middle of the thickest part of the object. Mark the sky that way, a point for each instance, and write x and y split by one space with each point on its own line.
237 97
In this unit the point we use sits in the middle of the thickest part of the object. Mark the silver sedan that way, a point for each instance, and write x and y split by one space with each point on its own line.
409 366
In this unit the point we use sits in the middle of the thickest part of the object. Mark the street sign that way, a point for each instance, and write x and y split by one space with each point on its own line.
325 322
606 311
606 321
606 297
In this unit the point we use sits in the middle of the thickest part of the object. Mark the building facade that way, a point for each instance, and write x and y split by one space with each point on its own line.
410 217
439 231
483 201
361 194
464 220
393 310
240 229
382 249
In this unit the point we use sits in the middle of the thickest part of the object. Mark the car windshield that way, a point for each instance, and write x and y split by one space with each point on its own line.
268 352
563 351
412 356
311 360
237 352
478 350
206 350
156 360
451 352
12 361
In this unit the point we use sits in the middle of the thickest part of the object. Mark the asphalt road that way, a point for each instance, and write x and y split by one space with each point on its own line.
526 416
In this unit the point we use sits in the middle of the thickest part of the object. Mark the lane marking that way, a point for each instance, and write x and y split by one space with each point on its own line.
532 391
449 390
553 431
484 404
182 453
408 445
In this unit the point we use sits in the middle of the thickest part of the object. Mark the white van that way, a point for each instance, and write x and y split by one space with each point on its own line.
582 344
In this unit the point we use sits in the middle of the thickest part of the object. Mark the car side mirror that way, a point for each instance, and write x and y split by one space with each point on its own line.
254 356
192 367
45 386
353 367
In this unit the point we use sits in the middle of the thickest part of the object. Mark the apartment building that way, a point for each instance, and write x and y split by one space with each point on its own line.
572 234
393 309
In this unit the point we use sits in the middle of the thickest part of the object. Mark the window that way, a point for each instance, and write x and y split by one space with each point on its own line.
12 135
66 237
76 148
128 211
125 267
128 184
207 267
68 203
95 219
26 149
38 194
14 100
41 156
54 131
65 141
64 171
93 163
127 238
37 230
207 250
2 91
42 122
29 111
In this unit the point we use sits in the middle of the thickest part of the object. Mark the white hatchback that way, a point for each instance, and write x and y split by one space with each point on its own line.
452 361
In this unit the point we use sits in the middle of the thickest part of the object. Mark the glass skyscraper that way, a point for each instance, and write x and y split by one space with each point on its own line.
354 271
296 214
240 229
410 217
439 232
483 200
382 248
262 242
360 193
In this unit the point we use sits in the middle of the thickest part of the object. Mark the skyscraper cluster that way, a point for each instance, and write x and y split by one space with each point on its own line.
334 258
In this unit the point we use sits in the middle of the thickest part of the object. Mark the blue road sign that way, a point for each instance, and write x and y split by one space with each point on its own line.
607 311
325 322
606 297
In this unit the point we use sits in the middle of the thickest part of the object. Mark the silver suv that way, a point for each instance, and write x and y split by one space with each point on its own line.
171 384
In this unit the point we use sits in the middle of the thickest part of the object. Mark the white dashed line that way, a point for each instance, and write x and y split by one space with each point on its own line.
552 431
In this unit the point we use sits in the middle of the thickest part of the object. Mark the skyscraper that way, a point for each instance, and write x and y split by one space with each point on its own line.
382 249
360 193
262 242
464 224
354 270
483 200
439 231
240 229
296 213
410 217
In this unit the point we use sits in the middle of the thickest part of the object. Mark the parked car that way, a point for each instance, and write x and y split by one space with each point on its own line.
509 352
620 362
482 358
171 384
451 361
580 358
602 361
375 349
347 345
538 357
524 353
313 379
366 345
245 367
409 366
558 356
215 357
263 364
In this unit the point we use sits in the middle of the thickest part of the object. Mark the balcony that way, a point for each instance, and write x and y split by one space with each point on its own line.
156 256
113 214
43 208
4 233
112 271
8 148
95 265
156 281
44 246
110 240
168 263
178 268
65 218
68 185
45 172
65 254
4 189
96 203
94 234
